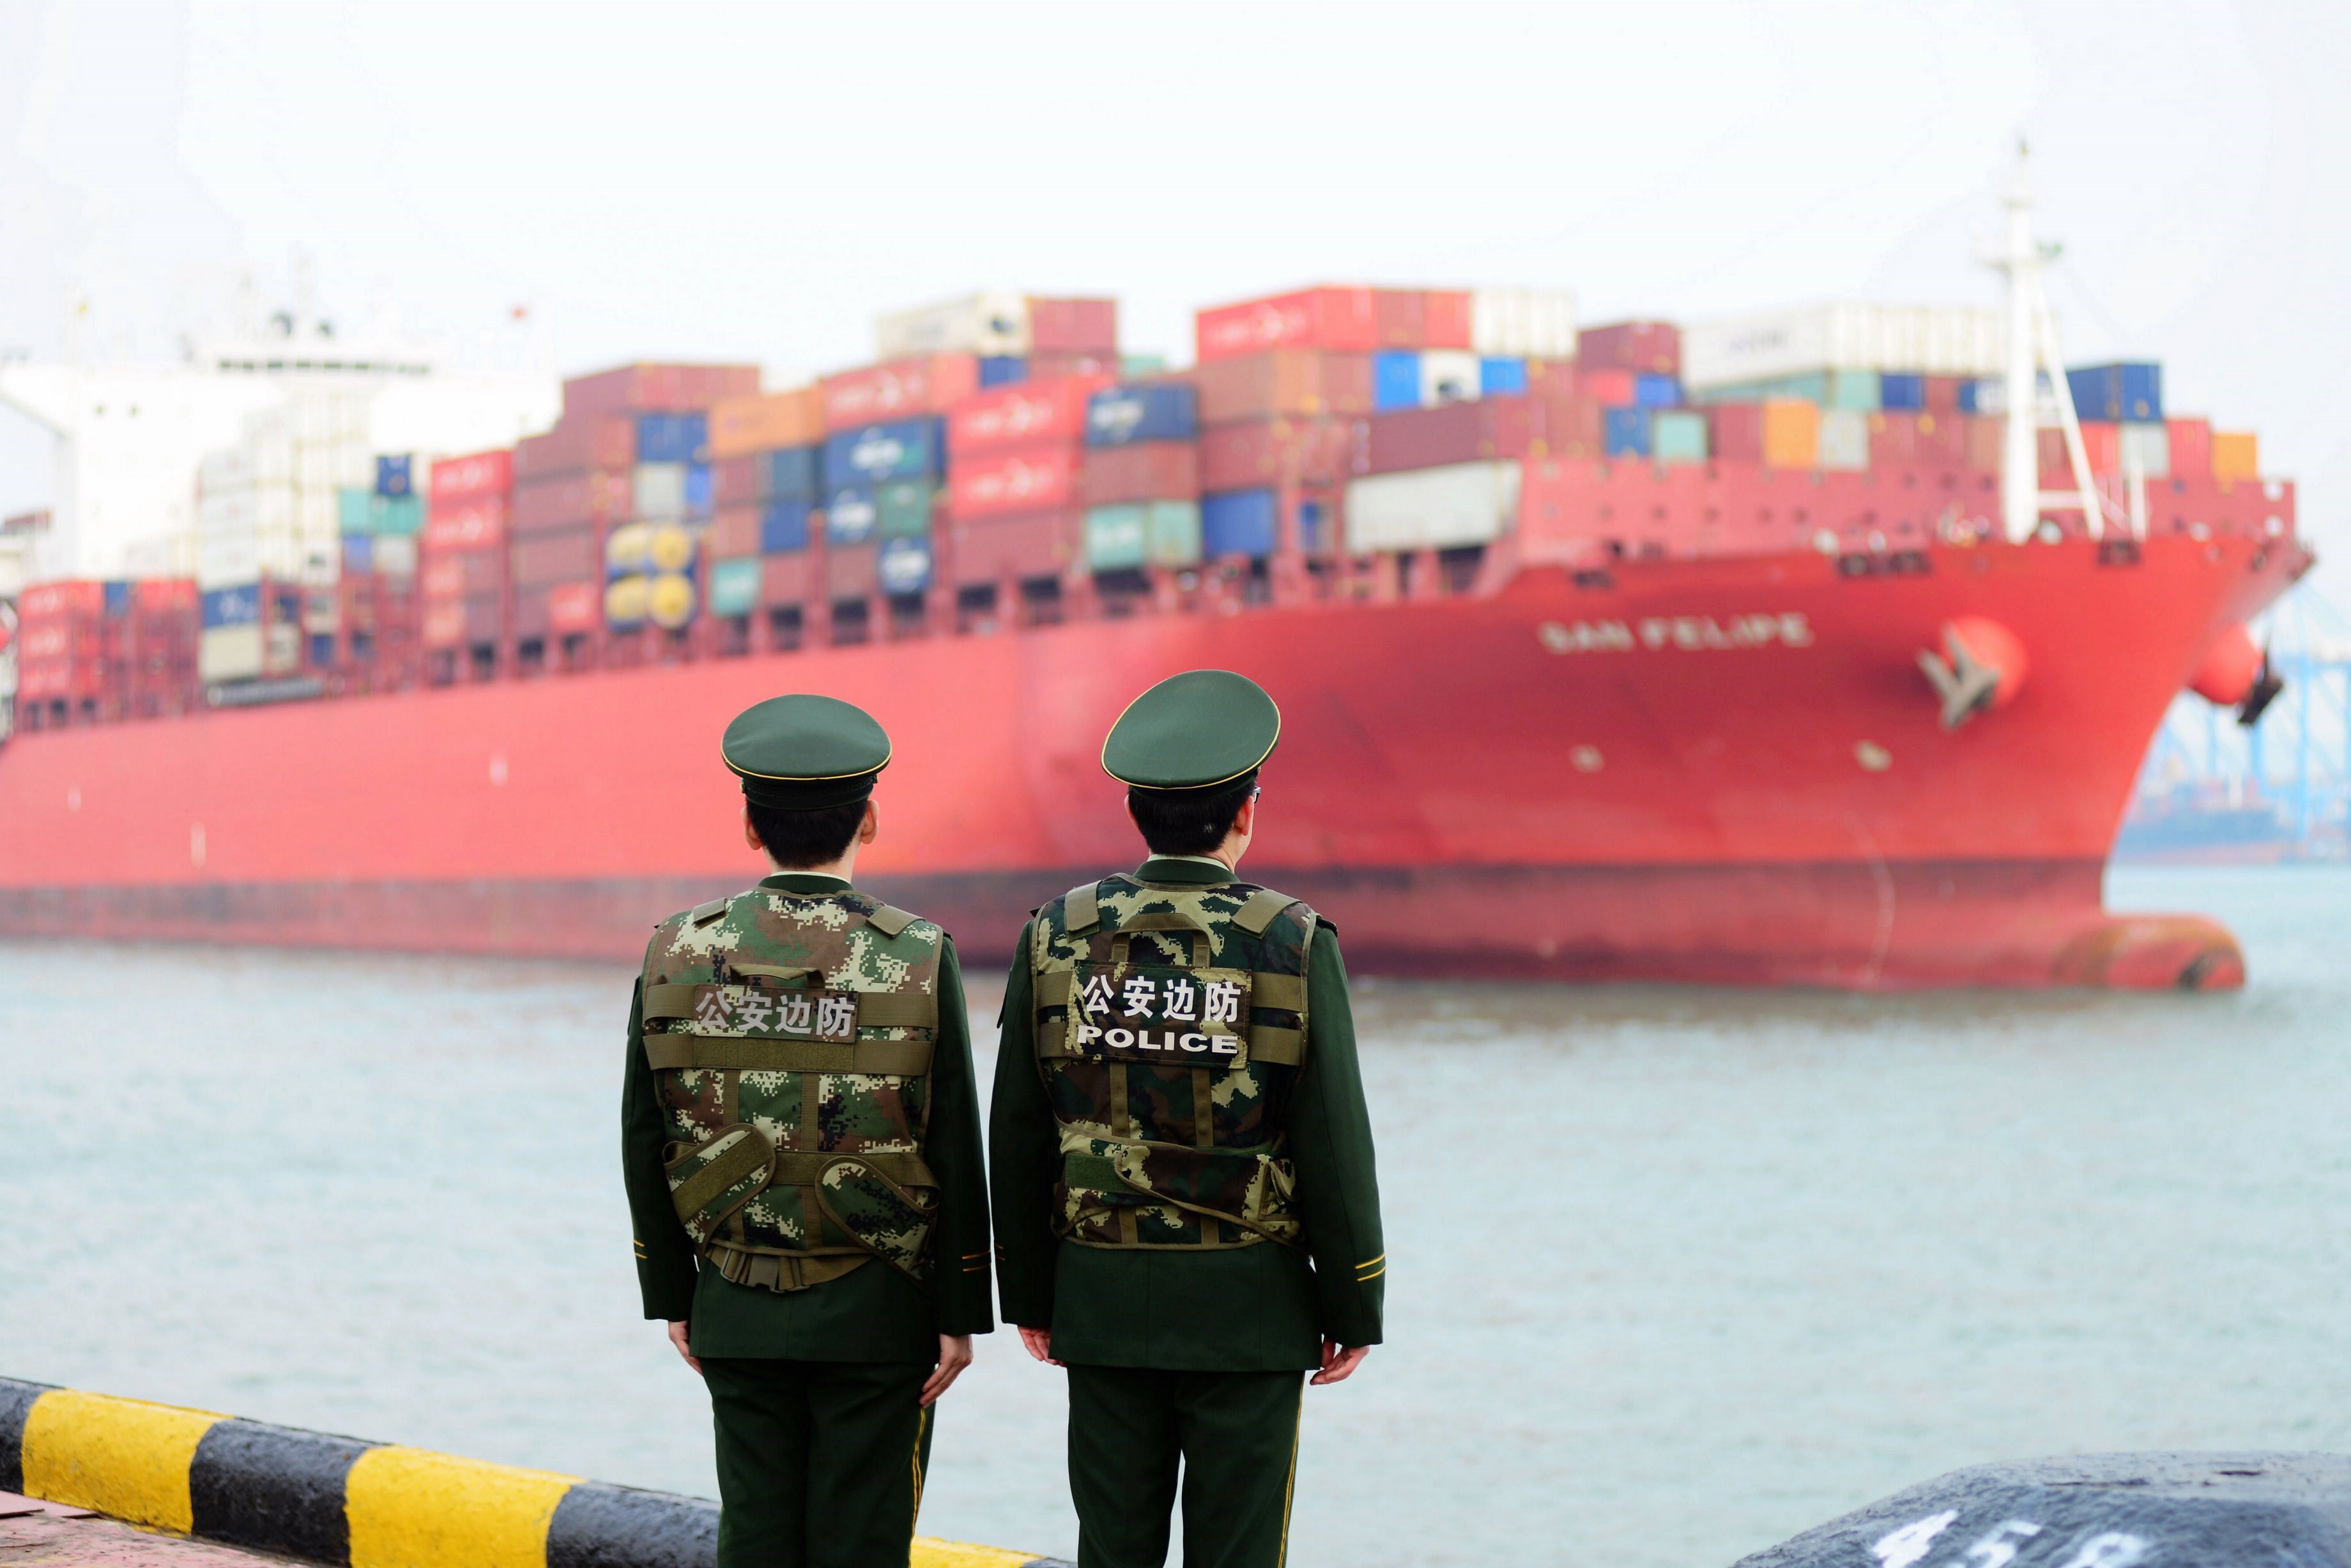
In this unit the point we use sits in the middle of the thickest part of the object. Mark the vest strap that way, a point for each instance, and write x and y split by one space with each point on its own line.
1270 1043
890 920
1055 986
805 1167
1287 992
1081 911
744 1156
1257 913
872 1058
782 1271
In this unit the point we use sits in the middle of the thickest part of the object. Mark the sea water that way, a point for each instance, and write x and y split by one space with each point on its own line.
1674 1273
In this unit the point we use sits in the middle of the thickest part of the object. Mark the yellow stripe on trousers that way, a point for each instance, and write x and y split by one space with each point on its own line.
413 1509
121 1456
933 1554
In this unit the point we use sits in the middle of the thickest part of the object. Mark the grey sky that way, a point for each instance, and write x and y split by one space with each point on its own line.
756 180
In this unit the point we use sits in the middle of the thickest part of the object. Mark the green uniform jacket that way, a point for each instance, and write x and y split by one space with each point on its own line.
1262 1308
874 1312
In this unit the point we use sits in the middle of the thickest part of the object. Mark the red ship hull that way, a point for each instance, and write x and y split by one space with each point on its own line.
1727 770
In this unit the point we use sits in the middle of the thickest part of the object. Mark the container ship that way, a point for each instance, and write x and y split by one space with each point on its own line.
1815 648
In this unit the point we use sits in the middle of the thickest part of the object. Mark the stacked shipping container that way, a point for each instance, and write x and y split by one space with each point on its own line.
767 459
462 569
91 651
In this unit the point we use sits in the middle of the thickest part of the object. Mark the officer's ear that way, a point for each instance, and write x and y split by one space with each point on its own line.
870 825
750 833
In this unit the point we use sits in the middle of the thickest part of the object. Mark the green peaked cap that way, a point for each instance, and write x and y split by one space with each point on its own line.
1193 731
804 752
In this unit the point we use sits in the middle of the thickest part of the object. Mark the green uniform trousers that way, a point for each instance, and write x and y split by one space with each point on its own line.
1237 1435
819 1462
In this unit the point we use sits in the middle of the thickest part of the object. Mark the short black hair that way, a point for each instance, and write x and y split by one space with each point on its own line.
798 840
1188 821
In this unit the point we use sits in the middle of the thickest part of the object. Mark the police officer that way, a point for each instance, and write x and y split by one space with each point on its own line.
800 1140
1187 1215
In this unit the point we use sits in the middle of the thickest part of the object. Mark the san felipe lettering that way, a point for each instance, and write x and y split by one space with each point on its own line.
1687 634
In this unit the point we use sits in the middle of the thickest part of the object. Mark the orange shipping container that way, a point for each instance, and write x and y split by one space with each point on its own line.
786 579
733 531
2191 447
1791 433
747 424
1282 382
2236 455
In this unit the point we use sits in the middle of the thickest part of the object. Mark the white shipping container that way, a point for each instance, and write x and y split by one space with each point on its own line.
2146 449
228 652
281 650
1431 508
1537 323
660 490
1844 439
1448 375
995 324
393 554
1933 340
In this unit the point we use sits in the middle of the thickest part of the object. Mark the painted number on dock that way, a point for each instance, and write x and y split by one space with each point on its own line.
1688 633
1911 1544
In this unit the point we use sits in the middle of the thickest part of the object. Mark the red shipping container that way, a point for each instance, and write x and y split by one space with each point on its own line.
1400 317
575 606
1146 471
46 600
462 574
1569 427
166 593
481 474
1917 441
851 572
1445 322
1609 388
1092 362
1489 429
444 622
529 614
1286 381
734 481
1253 454
1645 348
1987 442
657 389
1032 545
1073 327
2101 443
472 522
733 531
903 389
1032 479
2191 447
568 500
541 560
1025 414
1734 432
1342 318
1943 393
597 441
786 579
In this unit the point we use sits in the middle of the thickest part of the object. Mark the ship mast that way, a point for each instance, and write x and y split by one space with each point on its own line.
2032 350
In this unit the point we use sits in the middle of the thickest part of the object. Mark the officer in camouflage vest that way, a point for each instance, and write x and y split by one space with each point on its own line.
801 1141
1187 1215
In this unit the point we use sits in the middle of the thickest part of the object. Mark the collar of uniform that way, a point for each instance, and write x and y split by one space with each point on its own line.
1188 869
804 881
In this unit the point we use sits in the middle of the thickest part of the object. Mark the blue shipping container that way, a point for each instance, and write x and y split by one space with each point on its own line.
905 566
239 606
359 555
1002 369
849 515
1121 416
1395 380
791 474
902 449
668 438
698 489
393 476
1624 432
118 600
1314 533
1900 393
2118 393
1501 377
1656 391
1981 396
784 526
1244 522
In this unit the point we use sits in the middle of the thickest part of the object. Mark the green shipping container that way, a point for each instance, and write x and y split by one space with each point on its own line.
903 510
1154 533
734 585
1171 533
1677 436
355 511
1857 389
401 514
1115 538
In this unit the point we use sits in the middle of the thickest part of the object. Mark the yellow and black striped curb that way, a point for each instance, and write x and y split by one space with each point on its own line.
353 1503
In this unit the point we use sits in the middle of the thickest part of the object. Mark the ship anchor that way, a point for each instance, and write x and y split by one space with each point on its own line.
1978 669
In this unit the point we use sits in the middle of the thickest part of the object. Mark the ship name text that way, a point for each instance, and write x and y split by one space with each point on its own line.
1687 634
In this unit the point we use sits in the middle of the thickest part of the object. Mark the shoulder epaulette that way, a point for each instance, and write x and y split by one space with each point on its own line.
1257 913
890 920
1080 909
704 914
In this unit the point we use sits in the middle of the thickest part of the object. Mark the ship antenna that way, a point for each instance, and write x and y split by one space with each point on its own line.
2032 348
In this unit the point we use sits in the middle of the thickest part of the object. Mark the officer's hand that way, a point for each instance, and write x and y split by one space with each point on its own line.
955 1355
1041 1344
1339 1362
678 1338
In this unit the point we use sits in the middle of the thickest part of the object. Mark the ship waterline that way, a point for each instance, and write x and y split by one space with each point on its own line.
1728 769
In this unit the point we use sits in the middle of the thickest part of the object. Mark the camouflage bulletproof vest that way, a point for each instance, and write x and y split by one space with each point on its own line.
1170 1024
790 1035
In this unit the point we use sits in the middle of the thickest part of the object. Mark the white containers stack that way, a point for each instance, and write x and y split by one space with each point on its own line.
995 326
1432 508
1921 340
1533 323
